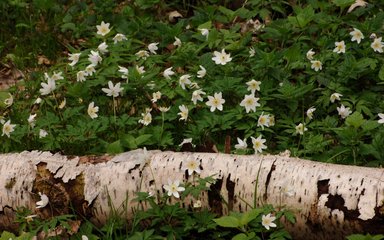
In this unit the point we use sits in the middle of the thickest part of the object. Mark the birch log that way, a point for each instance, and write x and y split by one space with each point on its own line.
329 201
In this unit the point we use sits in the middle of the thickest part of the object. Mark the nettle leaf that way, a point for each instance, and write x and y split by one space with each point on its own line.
355 120
228 221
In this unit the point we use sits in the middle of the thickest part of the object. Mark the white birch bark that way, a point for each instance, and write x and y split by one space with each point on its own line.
329 201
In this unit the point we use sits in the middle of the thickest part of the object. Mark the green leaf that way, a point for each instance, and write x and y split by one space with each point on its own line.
355 120
240 236
228 221
250 215
381 73
343 3
115 147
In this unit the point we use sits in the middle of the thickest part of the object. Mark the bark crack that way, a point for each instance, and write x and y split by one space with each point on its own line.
273 168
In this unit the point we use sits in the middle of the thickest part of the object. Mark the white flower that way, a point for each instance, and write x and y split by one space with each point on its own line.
74 57
103 29
215 102
358 3
381 116
184 80
204 32
48 87
253 86
80 76
94 58
92 110
263 120
202 72
147 118
42 133
271 120
310 54
258 144
316 65
29 218
377 45
57 76
197 204
177 42
113 91
124 72
118 38
90 70
310 112
287 190
168 73
192 165
37 101
142 54
164 109
83 237
196 96
44 200
140 70
186 141
250 103
9 101
339 47
156 96
8 128
173 188
32 120
300 129
251 52
221 58
241 144
334 97
357 35
152 47
343 111
194 85
267 221
62 104
183 112
103 48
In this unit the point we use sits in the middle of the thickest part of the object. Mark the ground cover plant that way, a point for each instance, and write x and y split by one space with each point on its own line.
264 76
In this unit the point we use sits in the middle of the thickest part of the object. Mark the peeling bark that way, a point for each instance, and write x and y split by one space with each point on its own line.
330 201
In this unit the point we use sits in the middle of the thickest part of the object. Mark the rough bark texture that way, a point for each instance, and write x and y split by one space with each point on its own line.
330 201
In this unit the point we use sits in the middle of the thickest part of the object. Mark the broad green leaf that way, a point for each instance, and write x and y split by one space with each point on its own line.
250 215
115 147
240 236
355 120
228 221
343 3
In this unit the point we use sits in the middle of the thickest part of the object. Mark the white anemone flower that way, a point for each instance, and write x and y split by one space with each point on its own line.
267 221
103 28
196 96
221 57
357 35
184 80
44 200
103 48
92 110
191 165
250 102
94 57
177 42
202 72
48 87
113 90
168 73
119 37
74 57
8 128
241 144
258 144
173 188
183 112
152 47
215 102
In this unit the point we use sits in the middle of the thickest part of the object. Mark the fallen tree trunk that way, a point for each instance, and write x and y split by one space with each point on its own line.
329 201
